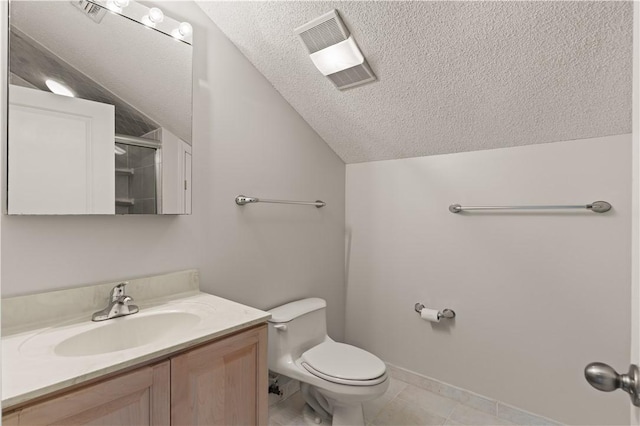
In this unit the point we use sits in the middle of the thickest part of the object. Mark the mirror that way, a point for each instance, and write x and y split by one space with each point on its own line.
99 110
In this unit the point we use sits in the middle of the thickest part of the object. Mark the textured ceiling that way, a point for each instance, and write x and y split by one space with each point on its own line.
453 76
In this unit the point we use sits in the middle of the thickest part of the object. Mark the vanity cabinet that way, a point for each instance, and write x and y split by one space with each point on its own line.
219 383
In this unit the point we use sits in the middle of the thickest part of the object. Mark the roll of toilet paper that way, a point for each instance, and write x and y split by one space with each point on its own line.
429 315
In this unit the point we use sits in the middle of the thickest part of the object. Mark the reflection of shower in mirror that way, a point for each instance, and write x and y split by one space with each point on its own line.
153 176
135 174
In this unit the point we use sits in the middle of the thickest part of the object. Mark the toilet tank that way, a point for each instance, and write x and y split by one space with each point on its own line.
294 328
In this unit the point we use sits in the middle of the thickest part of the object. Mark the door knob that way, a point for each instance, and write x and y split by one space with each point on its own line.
604 378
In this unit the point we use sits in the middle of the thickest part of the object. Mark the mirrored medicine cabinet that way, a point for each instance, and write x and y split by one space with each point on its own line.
99 116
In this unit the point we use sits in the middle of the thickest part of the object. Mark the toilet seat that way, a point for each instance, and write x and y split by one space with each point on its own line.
344 364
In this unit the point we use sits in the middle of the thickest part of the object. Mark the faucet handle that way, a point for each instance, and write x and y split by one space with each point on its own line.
118 291
123 307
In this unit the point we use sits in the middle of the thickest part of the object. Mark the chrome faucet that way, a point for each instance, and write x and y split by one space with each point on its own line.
118 305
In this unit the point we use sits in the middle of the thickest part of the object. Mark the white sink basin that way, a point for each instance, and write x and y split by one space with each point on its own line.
127 332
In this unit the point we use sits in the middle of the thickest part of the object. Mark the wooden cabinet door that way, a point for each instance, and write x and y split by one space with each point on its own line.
137 398
222 383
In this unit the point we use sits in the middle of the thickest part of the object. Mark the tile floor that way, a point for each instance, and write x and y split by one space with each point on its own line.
402 405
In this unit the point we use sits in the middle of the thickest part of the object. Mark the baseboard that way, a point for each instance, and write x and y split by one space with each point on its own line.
479 402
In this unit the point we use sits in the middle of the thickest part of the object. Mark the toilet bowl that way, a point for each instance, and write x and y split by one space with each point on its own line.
335 378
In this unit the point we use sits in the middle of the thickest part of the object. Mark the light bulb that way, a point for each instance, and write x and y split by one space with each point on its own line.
154 17
185 29
59 88
117 5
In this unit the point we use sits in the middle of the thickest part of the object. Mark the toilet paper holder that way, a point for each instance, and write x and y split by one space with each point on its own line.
445 313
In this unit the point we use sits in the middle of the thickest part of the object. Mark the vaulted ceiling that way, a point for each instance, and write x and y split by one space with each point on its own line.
452 76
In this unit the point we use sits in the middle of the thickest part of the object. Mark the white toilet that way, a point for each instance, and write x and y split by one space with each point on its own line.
335 378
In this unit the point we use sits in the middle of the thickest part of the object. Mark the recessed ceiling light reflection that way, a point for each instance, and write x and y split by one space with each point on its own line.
59 88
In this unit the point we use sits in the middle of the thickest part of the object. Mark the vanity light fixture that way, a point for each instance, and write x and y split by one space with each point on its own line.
155 16
135 10
334 51
184 30
59 88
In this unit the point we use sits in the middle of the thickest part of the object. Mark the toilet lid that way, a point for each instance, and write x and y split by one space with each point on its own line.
344 361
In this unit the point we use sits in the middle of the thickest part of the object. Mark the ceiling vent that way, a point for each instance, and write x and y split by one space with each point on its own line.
334 51
92 10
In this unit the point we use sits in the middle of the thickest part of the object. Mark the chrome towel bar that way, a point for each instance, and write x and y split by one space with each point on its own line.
241 200
596 207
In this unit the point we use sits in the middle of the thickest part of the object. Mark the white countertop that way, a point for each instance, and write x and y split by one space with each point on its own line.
31 368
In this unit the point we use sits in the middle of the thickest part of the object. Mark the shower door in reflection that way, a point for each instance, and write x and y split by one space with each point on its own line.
152 174
137 171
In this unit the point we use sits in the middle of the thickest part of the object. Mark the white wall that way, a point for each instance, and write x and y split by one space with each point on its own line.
247 140
538 296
